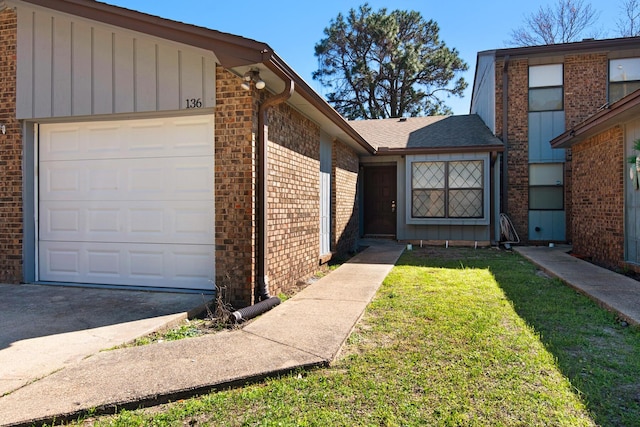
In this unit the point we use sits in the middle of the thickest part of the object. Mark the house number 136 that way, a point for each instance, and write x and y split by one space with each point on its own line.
194 103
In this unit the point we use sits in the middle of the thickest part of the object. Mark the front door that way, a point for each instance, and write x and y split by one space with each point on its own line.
380 201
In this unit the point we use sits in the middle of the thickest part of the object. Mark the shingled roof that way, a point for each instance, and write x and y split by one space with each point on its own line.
432 134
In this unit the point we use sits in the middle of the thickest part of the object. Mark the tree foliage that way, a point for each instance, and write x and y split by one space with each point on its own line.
629 22
381 65
567 21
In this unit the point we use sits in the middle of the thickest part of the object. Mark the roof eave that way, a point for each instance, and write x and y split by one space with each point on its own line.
572 47
629 105
281 68
384 151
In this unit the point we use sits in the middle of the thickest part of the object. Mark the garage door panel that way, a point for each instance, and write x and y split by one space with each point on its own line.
185 178
128 222
163 137
127 202
183 266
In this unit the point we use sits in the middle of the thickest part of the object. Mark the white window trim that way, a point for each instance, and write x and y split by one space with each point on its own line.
485 220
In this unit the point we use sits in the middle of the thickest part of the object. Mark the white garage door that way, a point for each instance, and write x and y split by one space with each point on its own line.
127 202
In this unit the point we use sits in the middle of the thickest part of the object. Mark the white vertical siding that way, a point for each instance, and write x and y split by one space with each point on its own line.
70 66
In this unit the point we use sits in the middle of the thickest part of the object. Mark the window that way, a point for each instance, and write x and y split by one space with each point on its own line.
624 77
546 186
447 189
545 88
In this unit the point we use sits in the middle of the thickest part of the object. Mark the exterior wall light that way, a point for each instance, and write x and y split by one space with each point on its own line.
252 75
3 128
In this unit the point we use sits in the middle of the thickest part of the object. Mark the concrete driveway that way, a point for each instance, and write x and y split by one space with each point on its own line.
45 328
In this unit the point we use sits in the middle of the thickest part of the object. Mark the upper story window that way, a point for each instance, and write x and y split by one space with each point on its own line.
624 77
545 88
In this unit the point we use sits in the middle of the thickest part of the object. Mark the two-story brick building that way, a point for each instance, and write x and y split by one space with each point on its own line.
528 96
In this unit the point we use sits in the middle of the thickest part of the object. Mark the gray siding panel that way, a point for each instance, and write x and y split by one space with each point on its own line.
145 77
325 194
25 64
82 74
62 67
71 66
123 70
543 127
631 199
168 74
209 84
42 71
102 71
484 90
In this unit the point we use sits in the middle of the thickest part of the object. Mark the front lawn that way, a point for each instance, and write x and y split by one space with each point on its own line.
454 337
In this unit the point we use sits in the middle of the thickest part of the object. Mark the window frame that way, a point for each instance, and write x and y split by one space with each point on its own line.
620 83
535 87
547 185
448 158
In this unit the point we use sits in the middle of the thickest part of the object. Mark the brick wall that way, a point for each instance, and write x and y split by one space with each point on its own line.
517 137
585 86
293 235
293 198
344 215
11 226
598 229
236 122
585 91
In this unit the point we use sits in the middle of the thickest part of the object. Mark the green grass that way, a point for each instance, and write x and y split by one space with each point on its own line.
456 337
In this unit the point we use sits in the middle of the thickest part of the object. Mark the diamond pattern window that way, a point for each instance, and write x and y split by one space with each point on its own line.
452 189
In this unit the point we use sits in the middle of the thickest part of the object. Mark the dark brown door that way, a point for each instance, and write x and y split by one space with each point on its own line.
380 200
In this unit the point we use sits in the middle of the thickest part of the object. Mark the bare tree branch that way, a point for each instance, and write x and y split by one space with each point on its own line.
629 23
567 21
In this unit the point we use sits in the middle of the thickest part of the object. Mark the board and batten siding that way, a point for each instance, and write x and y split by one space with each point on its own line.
70 66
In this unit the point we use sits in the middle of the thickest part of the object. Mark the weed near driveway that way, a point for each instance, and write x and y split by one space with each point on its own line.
453 337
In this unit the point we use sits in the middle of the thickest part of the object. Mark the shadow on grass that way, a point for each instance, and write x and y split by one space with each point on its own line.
600 357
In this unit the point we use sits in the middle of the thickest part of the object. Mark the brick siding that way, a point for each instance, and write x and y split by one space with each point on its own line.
236 122
598 230
293 194
345 213
293 198
517 140
585 86
11 219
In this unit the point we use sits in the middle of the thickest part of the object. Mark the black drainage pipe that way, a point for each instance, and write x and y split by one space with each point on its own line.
254 310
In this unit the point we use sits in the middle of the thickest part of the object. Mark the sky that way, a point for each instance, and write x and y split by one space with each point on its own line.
293 27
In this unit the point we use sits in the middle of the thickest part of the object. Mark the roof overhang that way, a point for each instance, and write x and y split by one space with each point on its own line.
235 53
584 46
385 151
618 112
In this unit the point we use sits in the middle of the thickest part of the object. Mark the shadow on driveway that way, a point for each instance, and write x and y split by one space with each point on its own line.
45 328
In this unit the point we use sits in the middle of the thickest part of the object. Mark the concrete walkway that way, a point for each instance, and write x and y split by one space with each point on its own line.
307 330
615 292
